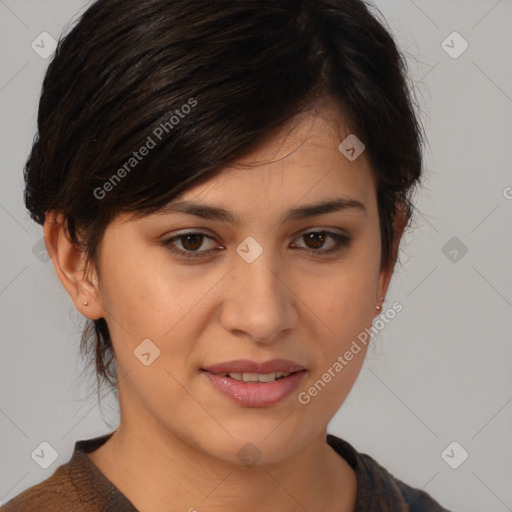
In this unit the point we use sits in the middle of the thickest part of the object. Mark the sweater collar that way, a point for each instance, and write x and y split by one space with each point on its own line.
376 488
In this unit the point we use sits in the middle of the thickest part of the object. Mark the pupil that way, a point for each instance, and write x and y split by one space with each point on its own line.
317 239
196 245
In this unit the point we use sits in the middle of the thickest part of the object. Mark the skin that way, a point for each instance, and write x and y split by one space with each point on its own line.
178 438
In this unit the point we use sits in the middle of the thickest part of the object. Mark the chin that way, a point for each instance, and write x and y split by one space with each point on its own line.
263 443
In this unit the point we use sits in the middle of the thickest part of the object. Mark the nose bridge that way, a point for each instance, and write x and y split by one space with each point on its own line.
260 303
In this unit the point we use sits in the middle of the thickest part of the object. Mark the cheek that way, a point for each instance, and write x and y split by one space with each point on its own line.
159 303
345 301
345 297
146 298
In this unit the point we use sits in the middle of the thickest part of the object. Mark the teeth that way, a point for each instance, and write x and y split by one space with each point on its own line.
257 377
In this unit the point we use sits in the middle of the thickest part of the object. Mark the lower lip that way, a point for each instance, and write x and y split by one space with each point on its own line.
256 394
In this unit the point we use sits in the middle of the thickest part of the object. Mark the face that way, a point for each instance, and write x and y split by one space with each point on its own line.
262 286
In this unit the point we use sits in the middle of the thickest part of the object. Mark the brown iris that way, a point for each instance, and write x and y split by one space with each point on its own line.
318 239
196 240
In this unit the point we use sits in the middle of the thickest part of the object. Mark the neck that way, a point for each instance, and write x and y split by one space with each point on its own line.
160 469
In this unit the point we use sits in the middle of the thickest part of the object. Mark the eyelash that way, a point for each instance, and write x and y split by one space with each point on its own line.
340 239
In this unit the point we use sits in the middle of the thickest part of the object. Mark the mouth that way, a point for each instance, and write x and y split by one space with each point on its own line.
252 384
247 367
257 377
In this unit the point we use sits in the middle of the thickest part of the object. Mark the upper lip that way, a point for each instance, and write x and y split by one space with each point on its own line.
246 366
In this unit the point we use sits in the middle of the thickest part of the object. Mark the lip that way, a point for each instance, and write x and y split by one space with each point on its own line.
246 366
256 394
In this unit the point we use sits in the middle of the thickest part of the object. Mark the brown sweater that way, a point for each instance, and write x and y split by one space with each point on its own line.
79 486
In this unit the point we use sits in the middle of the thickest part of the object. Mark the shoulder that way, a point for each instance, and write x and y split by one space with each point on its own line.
378 489
414 500
58 492
77 486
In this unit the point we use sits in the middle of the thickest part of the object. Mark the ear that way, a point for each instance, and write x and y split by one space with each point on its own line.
68 262
399 224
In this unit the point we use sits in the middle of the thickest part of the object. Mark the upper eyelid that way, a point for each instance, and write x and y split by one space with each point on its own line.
199 231
298 235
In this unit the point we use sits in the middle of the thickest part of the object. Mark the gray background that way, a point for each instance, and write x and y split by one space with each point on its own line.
441 371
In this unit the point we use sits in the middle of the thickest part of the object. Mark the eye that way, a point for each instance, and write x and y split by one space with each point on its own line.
190 242
316 239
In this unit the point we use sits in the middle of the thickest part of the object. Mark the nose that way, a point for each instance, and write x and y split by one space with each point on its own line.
259 303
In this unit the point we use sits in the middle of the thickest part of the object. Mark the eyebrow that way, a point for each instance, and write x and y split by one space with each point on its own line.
302 212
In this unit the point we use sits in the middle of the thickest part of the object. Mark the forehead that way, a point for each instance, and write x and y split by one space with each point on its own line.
300 163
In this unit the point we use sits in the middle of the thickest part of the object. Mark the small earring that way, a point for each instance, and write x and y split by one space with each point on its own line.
379 307
85 303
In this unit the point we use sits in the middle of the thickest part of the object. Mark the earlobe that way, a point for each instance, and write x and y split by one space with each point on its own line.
68 261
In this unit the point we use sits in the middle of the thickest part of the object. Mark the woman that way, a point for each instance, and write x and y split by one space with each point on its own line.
223 187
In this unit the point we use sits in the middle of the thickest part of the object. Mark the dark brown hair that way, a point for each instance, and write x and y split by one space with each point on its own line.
214 78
